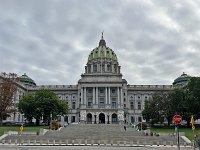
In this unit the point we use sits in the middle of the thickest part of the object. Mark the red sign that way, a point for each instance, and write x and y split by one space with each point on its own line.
177 119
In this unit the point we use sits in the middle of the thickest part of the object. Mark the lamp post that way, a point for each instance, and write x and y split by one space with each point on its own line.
141 122
51 121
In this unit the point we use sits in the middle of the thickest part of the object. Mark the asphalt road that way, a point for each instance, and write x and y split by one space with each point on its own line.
2 147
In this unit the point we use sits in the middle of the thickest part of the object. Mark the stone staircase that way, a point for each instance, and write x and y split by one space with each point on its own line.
96 134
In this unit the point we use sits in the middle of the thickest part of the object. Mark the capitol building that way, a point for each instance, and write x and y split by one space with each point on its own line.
101 96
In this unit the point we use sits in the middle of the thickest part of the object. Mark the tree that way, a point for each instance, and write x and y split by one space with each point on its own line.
164 105
192 101
27 106
154 107
176 103
8 88
44 104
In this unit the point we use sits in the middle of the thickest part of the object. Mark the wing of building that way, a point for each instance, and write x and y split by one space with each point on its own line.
101 95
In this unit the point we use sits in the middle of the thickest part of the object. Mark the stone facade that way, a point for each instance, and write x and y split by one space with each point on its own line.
101 95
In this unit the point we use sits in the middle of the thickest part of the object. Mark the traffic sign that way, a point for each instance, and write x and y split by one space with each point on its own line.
177 119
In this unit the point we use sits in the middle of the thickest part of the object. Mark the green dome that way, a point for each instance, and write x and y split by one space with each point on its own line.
27 80
182 80
102 52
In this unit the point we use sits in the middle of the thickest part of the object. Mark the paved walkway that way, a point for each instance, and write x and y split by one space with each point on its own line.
88 148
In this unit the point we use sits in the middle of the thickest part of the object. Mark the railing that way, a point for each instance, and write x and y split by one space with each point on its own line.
89 142
54 87
150 86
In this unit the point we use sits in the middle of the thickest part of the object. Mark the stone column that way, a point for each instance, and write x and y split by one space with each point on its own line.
109 95
96 102
106 118
118 98
106 95
91 68
85 95
82 98
112 68
121 93
86 69
110 118
135 105
98 67
97 118
106 67
93 96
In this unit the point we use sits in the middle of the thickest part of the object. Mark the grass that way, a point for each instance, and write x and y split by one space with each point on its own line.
188 131
16 128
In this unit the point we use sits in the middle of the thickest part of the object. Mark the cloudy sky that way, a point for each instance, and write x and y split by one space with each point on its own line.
50 40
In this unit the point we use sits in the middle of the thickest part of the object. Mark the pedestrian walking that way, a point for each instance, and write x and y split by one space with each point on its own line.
125 128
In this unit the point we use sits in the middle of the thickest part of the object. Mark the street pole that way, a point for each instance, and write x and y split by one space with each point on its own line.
178 137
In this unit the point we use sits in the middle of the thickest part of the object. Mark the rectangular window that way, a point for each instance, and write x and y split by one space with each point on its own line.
73 119
139 105
101 91
73 105
132 119
132 105
114 104
89 90
66 118
139 119
89 103
102 103
113 91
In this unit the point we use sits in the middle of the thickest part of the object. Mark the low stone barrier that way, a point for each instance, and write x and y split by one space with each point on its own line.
83 142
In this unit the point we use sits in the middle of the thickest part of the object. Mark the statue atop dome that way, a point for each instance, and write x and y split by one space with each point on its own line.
102 41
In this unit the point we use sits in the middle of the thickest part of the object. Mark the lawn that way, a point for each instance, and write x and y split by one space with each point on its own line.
188 131
16 128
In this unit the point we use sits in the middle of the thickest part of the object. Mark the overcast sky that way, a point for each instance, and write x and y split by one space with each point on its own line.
50 40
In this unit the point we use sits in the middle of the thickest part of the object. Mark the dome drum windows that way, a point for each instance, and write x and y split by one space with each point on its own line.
89 68
115 68
95 68
108 68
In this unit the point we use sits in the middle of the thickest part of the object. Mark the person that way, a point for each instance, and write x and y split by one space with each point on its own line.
125 128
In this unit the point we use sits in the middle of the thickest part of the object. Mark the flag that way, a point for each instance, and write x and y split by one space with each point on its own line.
192 122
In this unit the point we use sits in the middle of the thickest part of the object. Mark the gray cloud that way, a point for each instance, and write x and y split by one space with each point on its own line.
155 41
